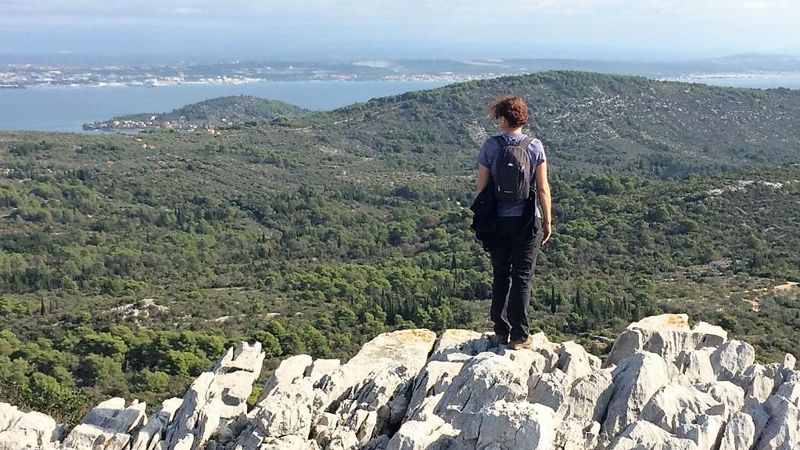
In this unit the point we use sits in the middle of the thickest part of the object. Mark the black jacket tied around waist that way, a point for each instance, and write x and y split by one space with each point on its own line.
484 208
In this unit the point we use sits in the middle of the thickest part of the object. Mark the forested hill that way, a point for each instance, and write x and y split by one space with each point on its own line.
215 112
587 121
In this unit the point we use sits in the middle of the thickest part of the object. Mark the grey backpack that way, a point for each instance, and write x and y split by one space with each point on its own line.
512 169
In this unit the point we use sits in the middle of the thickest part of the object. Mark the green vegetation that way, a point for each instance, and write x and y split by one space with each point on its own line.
216 112
588 122
129 262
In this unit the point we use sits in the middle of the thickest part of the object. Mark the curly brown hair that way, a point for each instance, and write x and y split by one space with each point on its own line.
511 107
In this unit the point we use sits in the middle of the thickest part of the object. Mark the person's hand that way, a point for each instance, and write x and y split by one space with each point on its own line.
546 231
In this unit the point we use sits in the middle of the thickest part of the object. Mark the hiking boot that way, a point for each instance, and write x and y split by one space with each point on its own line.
499 339
517 344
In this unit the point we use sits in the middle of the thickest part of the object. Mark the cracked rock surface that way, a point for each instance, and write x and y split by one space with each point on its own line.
665 385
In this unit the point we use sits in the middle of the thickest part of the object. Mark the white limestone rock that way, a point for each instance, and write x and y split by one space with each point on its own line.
290 369
549 350
790 391
235 374
340 438
288 443
108 424
705 431
198 416
431 434
782 431
676 404
671 387
245 356
377 443
27 430
575 361
731 359
504 425
8 415
551 389
460 343
361 390
758 412
112 415
791 375
325 428
429 387
287 411
695 365
488 377
450 351
726 393
321 368
762 380
404 350
89 436
789 362
739 432
288 407
710 335
636 379
666 335
626 344
575 434
150 435
589 396
643 435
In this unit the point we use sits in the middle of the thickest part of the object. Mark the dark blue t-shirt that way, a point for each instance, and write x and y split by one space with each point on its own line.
489 152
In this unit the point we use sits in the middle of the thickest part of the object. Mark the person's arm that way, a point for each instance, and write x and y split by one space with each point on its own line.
484 175
543 189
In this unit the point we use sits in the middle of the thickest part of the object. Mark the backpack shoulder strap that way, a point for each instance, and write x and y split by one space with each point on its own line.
526 142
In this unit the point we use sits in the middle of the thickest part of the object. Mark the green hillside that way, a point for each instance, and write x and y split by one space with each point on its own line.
216 112
128 262
588 122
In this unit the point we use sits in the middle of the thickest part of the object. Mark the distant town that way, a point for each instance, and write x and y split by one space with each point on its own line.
32 75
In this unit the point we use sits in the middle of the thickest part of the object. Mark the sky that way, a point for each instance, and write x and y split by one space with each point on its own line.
331 29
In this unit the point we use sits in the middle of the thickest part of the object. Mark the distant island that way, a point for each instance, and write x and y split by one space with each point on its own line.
205 115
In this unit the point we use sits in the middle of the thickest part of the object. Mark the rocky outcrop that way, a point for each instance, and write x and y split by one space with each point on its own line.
20 430
108 425
665 385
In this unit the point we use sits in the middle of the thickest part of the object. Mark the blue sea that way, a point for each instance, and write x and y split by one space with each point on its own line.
760 81
68 108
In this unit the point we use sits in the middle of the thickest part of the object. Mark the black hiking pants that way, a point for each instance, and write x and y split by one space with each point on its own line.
513 251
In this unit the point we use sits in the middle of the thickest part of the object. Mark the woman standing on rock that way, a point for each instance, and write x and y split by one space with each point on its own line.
512 174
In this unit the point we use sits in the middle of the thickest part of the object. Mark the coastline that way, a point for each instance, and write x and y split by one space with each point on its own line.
445 77
228 81
791 78
67 108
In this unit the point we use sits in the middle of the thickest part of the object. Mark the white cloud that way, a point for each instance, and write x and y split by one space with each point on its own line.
422 10
746 24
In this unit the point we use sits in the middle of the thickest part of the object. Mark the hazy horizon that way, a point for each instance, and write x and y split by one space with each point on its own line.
205 31
69 58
